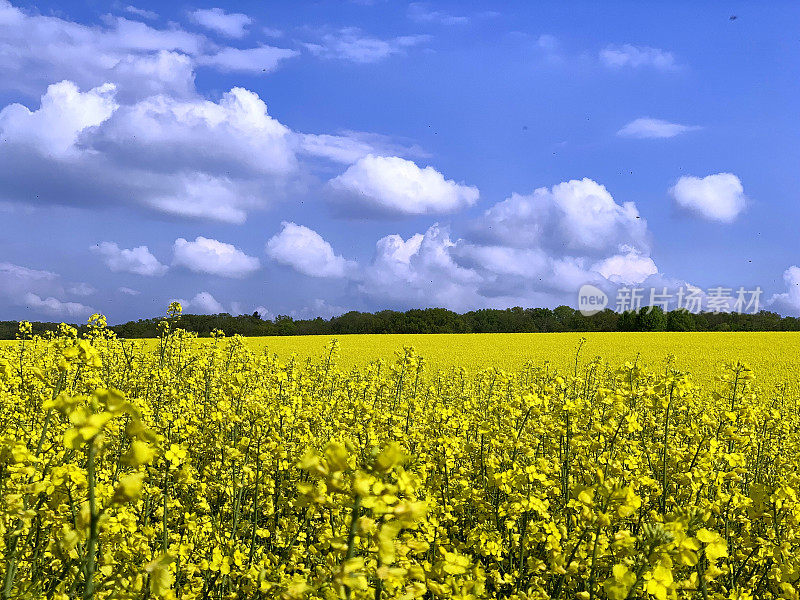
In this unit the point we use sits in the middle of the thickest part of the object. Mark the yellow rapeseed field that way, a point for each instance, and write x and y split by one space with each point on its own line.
773 356
181 468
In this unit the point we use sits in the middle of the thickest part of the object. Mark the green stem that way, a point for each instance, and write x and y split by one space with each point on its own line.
351 534
91 549
664 465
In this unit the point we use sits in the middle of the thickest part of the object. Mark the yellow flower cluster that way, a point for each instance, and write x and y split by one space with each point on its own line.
207 470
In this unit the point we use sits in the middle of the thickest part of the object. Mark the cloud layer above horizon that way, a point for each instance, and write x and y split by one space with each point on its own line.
161 130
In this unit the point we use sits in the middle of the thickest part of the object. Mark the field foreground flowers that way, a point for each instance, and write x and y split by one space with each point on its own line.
208 470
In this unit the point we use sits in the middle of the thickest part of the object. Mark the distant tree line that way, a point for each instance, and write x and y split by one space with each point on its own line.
440 320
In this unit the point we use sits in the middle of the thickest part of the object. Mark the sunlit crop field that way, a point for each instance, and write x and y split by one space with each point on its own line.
774 356
186 468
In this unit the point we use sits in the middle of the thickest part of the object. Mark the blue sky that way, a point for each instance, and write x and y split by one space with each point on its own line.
312 158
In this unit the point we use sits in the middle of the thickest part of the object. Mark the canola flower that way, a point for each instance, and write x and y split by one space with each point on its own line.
196 470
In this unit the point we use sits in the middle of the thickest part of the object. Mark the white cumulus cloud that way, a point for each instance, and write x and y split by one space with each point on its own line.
188 157
348 147
37 50
254 60
37 291
141 12
527 250
628 268
216 137
577 216
351 44
788 302
140 59
645 127
138 261
81 289
16 279
126 126
55 307
318 308
205 255
306 251
216 19
422 13
419 271
203 303
628 55
64 113
717 197
393 185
